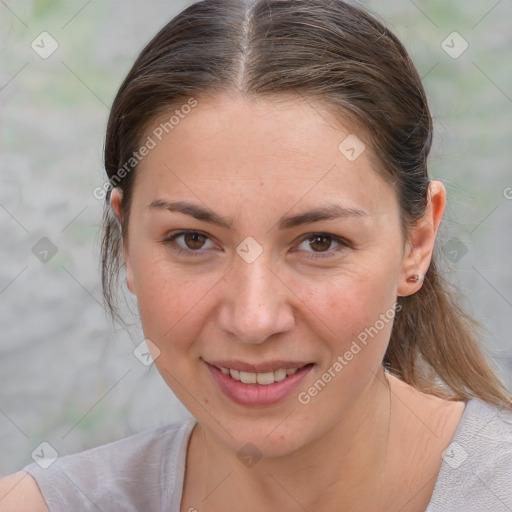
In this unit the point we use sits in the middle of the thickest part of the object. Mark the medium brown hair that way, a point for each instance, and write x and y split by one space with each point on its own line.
329 51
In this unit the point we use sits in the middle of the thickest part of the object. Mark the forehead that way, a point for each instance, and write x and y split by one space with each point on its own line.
286 147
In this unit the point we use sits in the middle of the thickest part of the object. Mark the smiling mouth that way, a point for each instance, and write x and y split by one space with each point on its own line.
273 383
261 378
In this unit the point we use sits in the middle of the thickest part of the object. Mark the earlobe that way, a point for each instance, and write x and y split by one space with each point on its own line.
116 202
421 241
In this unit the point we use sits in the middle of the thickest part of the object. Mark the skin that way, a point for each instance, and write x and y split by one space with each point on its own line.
254 162
19 493
367 440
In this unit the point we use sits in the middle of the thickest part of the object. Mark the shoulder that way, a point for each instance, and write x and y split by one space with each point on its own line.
20 493
476 473
146 445
485 432
117 475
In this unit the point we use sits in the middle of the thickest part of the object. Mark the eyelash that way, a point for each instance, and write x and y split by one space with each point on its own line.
170 241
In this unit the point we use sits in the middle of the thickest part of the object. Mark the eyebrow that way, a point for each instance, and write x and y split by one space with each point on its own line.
327 212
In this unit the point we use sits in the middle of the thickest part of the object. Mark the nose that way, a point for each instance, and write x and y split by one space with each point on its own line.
256 303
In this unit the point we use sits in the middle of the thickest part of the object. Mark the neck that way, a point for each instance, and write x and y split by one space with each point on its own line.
344 465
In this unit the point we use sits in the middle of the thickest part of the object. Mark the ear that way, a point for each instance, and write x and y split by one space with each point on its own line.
421 241
116 201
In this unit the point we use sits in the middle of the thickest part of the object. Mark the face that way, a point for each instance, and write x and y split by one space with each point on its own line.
257 248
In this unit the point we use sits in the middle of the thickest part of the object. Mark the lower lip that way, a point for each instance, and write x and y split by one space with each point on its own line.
257 395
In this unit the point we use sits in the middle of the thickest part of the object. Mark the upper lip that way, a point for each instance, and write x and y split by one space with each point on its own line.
267 366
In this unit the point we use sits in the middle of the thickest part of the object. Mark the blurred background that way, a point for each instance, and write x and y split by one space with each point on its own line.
68 374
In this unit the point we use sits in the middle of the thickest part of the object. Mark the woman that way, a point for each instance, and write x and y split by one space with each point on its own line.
269 200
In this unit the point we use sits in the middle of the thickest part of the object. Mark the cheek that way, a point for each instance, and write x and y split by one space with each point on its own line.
359 314
348 303
171 303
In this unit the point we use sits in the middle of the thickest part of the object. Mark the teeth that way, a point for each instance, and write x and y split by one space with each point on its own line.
263 378
280 375
248 378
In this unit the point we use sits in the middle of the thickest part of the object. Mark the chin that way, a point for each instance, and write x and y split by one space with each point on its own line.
269 439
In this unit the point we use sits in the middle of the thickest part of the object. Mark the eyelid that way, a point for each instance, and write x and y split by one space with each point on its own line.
336 238
343 243
170 238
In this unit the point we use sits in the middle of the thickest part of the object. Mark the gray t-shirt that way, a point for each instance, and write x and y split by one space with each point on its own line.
145 472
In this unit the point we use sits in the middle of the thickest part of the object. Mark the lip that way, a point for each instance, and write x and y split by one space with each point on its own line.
269 366
257 395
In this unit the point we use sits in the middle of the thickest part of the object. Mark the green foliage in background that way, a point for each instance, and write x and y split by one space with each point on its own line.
43 7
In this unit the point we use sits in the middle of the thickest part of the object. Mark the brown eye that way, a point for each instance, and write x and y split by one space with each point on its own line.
194 241
320 243
189 243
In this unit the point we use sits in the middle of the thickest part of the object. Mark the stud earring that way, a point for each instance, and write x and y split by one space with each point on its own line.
414 278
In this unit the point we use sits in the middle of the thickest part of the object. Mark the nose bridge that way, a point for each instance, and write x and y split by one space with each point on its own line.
256 304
